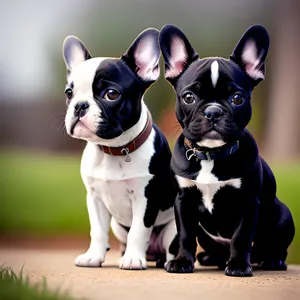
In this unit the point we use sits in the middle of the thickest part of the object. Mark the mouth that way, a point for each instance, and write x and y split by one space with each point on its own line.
213 133
76 122
73 125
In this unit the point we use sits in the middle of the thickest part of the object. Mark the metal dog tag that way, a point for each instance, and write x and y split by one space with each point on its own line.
127 157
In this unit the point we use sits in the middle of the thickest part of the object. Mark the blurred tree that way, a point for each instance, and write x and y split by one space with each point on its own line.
282 133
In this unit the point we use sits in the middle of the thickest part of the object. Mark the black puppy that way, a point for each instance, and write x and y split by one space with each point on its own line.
227 192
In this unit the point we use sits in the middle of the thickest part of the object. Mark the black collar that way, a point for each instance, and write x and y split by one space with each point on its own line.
204 153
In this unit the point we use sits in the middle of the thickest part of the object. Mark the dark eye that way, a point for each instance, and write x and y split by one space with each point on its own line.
188 98
69 93
111 95
237 99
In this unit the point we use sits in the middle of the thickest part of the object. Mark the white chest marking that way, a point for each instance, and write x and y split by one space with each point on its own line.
208 183
214 73
119 184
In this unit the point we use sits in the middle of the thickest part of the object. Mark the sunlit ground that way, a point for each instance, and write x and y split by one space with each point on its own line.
42 194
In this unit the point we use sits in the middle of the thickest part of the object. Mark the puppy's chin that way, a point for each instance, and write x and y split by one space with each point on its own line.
209 143
211 139
81 131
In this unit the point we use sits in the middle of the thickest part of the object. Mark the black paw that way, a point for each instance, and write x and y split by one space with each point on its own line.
180 265
274 265
238 269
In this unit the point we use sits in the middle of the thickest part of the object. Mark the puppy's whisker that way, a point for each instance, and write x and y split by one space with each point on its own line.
61 126
58 123
54 116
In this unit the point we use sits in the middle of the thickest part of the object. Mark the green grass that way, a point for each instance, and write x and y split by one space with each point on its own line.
43 194
288 191
17 287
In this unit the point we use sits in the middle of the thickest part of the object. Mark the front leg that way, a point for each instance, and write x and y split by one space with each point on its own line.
186 215
100 223
240 247
138 237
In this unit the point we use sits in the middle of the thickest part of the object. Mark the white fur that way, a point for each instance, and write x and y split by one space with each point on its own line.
167 236
207 183
120 186
161 242
214 73
146 60
208 143
251 60
82 75
178 58
115 188
98 214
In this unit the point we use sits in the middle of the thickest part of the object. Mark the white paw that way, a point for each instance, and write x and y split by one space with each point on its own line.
131 262
89 259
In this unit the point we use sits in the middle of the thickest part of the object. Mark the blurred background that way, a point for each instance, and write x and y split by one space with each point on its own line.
41 193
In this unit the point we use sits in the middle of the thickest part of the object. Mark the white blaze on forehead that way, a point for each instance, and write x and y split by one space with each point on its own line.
214 73
178 58
252 60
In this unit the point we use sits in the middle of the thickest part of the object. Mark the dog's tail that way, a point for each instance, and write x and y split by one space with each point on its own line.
217 248
211 240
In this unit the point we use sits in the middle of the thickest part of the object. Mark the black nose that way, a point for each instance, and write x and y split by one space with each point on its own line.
81 109
213 113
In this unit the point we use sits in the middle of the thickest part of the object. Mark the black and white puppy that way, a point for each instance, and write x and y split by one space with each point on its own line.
227 192
126 163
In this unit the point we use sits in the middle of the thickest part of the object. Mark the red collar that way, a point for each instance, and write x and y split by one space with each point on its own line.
131 146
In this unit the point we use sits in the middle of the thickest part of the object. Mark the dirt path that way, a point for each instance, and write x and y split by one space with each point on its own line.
111 283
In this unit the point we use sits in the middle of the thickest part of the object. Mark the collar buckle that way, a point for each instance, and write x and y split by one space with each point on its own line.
204 153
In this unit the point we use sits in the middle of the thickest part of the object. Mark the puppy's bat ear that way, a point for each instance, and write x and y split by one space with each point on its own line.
142 57
251 52
177 51
74 52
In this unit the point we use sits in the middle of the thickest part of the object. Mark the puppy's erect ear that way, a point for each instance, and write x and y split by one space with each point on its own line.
143 55
251 51
74 52
177 51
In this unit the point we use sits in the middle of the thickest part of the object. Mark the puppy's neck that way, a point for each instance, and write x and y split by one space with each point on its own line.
130 134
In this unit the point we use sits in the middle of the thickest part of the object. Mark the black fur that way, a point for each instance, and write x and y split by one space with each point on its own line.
115 74
161 187
241 216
